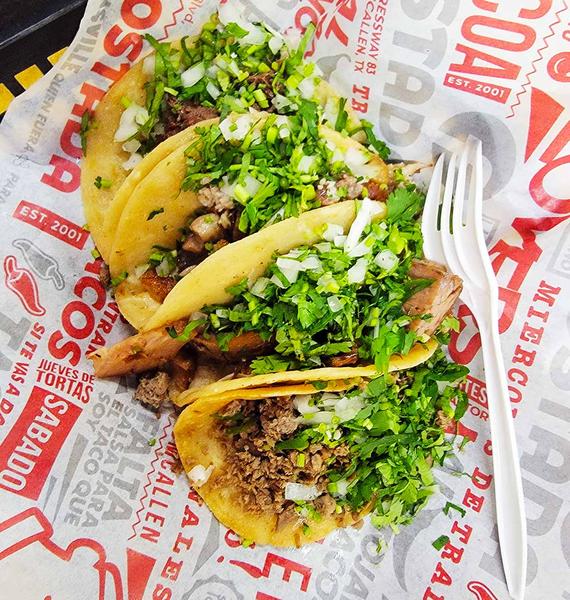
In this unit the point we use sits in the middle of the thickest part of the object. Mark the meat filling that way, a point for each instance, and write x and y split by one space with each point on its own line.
435 300
260 472
180 115
158 287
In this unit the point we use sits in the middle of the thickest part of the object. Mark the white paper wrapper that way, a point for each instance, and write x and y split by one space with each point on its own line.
89 509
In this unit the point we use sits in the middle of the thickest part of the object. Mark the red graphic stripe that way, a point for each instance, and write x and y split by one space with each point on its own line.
173 23
148 479
536 60
139 569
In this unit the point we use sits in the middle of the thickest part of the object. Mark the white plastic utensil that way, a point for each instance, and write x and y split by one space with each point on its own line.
452 228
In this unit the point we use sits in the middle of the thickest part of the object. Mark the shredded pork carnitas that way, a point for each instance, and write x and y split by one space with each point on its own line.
260 472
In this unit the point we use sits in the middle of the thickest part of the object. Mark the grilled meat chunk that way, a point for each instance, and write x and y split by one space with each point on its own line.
435 300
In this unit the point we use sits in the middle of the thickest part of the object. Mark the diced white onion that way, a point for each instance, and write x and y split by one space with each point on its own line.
301 492
193 74
306 163
347 408
316 418
251 185
292 37
323 247
341 488
386 259
361 249
198 475
368 209
441 385
148 65
131 146
278 282
301 404
198 315
255 37
280 102
339 241
235 130
128 127
230 13
284 125
357 273
334 303
131 162
259 287
330 112
327 280
332 231
357 160
276 43
307 88
213 90
288 264
311 263
212 71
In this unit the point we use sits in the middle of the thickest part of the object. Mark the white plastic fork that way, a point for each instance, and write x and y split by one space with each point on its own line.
452 227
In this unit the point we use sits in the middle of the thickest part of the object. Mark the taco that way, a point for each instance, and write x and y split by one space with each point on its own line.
286 465
235 177
230 66
340 286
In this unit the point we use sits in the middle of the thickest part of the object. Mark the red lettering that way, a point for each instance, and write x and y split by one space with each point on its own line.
465 532
502 69
541 196
154 8
70 129
451 552
440 575
109 72
524 356
480 479
132 41
68 349
471 500
71 311
429 594
92 95
65 176
531 334
527 33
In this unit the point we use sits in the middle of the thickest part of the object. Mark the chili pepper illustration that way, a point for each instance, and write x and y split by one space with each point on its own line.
23 284
481 591
42 264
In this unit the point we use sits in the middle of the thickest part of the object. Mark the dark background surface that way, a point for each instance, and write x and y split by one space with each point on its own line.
32 30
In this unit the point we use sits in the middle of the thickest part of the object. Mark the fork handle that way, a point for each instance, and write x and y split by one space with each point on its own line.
509 496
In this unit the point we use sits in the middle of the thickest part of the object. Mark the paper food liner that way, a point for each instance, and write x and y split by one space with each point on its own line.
90 509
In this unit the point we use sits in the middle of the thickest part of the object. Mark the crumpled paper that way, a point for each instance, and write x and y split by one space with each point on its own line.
90 506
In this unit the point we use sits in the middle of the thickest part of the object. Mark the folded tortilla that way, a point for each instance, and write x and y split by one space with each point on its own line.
160 190
200 444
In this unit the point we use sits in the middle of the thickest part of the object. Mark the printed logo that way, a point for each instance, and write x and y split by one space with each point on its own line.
29 450
481 591
21 281
42 264
26 539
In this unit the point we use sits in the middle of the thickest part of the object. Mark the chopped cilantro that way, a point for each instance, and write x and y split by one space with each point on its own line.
83 129
115 281
153 213
188 329
450 506
404 204
440 542
319 385
95 253
100 182
152 442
